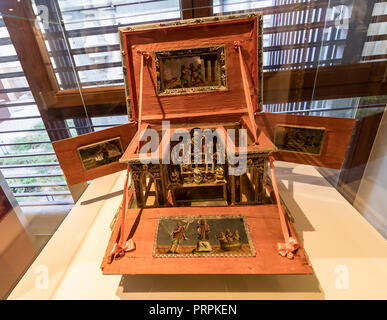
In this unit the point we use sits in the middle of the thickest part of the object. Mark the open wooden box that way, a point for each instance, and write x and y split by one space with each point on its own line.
184 76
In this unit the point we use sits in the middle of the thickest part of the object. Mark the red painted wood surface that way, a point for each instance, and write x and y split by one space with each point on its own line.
67 153
263 142
193 36
264 225
338 132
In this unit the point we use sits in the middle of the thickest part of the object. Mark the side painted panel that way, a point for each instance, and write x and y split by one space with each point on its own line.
319 141
94 154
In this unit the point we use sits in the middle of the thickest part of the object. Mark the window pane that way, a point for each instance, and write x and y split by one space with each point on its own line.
89 38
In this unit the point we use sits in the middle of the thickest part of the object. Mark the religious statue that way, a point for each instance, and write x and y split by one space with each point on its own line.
197 175
175 176
203 245
219 174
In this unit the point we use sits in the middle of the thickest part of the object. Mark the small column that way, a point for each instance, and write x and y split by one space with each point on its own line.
203 71
215 71
209 71
259 165
136 177
237 189
158 185
232 189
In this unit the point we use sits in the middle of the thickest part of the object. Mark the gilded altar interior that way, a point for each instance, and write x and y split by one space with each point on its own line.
204 182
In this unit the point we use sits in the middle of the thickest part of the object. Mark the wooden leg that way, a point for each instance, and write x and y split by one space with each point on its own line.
159 192
136 175
237 180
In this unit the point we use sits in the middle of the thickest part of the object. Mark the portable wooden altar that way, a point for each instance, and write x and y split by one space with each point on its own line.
201 75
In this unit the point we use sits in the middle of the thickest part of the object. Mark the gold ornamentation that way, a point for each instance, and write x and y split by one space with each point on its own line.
219 174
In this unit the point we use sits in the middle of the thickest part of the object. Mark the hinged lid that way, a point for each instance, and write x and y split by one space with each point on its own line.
193 67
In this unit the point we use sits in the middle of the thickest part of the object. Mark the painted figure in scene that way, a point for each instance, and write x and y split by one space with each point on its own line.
221 237
193 73
199 77
229 235
229 241
184 80
177 237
